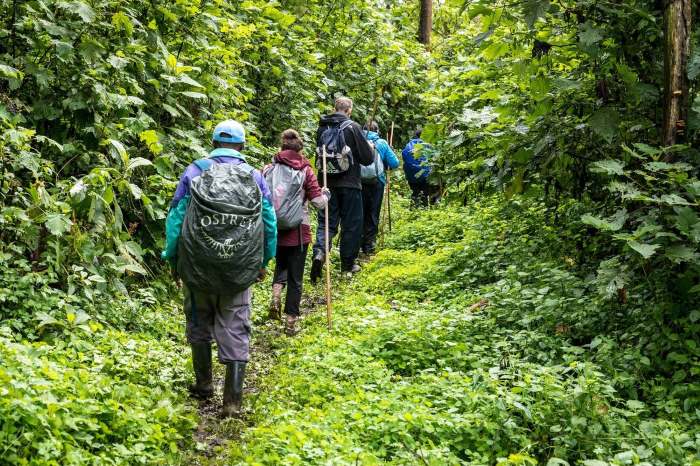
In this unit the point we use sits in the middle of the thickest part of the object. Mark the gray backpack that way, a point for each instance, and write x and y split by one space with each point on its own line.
287 187
370 173
220 250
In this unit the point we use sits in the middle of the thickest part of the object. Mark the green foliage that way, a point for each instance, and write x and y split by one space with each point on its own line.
102 399
474 338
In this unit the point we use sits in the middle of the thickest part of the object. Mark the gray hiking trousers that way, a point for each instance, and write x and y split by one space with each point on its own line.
224 318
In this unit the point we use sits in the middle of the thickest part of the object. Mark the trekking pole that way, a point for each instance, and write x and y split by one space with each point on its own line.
388 178
329 305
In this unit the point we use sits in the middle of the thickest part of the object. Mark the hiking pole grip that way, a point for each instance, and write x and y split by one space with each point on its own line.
329 305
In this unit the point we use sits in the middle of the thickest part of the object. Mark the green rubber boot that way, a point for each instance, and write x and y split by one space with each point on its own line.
201 363
233 389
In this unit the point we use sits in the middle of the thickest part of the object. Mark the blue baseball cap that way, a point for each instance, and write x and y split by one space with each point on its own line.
229 131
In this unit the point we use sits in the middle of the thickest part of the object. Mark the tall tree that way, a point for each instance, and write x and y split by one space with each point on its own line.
677 22
426 21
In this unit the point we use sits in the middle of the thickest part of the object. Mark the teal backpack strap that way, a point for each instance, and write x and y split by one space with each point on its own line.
204 164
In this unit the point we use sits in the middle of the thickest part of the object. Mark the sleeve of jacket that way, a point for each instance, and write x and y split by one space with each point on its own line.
364 152
173 227
388 157
269 220
270 223
176 216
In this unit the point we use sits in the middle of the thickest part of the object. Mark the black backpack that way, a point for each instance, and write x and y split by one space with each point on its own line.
338 154
220 250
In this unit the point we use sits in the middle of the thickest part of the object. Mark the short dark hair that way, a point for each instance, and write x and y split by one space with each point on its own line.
343 104
372 126
239 146
418 132
291 140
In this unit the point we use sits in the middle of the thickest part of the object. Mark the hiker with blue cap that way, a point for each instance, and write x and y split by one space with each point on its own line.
221 232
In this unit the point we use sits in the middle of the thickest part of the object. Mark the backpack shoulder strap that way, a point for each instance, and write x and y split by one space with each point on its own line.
345 124
204 164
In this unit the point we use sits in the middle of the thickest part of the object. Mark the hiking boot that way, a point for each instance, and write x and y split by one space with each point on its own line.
203 388
275 311
290 328
233 389
351 269
317 266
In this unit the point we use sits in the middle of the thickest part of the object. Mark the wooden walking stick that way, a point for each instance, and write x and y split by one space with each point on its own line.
329 304
388 178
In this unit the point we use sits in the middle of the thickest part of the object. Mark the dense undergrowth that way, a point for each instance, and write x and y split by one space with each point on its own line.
102 105
476 338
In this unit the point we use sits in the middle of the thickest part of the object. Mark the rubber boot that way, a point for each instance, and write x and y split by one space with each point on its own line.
275 311
201 363
317 266
233 389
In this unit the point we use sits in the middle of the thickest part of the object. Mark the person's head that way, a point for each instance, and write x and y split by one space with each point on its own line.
343 105
291 140
417 133
372 126
229 134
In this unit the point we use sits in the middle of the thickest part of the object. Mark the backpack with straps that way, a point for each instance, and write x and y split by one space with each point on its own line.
287 187
338 154
220 250
370 174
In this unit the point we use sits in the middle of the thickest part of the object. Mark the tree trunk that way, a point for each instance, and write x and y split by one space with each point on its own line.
426 21
677 22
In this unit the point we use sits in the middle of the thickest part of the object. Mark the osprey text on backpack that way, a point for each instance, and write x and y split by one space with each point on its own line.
287 187
338 153
221 246
370 174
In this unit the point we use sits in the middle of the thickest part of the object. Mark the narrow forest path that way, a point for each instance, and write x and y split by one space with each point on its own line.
214 434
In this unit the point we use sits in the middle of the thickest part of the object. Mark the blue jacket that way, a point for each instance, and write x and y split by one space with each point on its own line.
389 159
416 169
178 206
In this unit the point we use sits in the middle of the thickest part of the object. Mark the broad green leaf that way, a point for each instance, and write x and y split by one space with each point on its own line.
122 22
673 199
613 223
534 9
58 224
187 80
85 11
150 137
680 253
608 166
138 162
7 71
194 95
120 150
605 123
135 191
645 250
589 35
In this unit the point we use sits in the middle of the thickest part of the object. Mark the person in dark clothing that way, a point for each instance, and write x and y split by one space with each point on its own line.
417 169
293 244
345 205
373 186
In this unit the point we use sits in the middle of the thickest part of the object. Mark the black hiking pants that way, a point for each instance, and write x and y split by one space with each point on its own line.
372 197
424 194
344 211
289 271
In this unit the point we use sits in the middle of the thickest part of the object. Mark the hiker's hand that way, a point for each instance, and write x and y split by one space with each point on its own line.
262 274
326 192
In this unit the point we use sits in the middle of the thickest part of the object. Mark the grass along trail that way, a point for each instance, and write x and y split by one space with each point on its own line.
464 341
